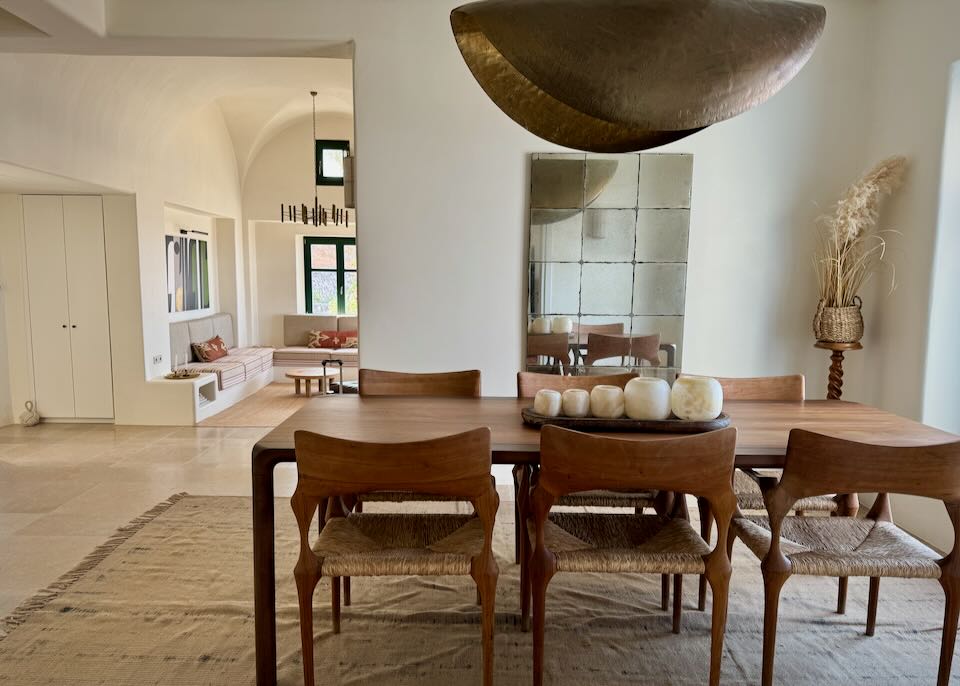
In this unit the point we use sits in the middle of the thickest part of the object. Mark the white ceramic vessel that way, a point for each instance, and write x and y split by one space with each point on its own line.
562 325
698 398
547 403
606 402
540 325
575 402
647 398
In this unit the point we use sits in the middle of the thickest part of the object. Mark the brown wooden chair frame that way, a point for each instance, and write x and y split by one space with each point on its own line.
331 469
818 465
571 461
459 384
637 348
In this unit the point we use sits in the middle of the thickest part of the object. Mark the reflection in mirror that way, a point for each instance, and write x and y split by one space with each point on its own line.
554 288
607 262
555 236
605 288
609 235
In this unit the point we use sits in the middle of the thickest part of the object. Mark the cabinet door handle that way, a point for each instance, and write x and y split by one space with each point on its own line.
64 326
73 326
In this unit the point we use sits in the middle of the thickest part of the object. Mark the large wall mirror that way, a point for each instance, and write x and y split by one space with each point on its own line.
607 267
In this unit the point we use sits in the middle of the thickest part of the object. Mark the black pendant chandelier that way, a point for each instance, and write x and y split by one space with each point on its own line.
316 215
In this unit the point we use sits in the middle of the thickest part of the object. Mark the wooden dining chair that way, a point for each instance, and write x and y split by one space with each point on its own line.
554 346
611 543
850 546
788 388
632 350
376 382
528 383
360 544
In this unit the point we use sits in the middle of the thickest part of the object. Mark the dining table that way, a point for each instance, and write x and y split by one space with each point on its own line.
763 429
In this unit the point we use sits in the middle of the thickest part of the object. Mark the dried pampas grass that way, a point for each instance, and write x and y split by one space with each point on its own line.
851 249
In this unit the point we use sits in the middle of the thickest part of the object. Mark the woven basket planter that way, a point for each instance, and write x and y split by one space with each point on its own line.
839 324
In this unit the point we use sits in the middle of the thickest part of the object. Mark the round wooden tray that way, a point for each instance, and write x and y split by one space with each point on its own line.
672 425
181 377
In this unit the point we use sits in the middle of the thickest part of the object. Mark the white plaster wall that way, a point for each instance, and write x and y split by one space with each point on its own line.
282 172
106 120
941 405
280 274
9 204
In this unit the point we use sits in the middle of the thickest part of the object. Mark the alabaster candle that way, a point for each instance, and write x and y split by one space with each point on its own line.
575 402
647 398
540 325
547 403
562 325
606 402
699 398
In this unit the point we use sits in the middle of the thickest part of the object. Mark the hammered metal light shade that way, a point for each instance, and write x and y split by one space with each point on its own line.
625 75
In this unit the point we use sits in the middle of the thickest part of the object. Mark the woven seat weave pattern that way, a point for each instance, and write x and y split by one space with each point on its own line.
842 546
399 544
749 497
406 496
607 499
643 544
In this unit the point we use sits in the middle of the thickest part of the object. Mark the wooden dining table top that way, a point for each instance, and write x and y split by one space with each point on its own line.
763 426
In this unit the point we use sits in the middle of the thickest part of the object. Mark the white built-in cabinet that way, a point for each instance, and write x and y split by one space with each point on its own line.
69 316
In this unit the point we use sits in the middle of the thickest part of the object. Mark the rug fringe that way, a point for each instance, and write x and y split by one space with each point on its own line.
40 599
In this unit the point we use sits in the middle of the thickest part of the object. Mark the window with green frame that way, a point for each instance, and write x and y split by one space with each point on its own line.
330 275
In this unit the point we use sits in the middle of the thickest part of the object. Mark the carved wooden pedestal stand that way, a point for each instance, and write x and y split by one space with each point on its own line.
835 384
849 503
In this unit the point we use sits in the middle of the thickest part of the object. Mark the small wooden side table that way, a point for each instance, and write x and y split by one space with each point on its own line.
835 382
308 375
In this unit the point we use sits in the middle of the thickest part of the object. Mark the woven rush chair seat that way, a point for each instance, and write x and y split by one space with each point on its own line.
642 544
607 499
405 496
749 497
399 544
842 546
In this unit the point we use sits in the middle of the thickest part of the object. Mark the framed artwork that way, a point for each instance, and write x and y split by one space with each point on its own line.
188 273
329 160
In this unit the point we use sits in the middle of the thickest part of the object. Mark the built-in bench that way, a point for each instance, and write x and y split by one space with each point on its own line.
242 372
296 333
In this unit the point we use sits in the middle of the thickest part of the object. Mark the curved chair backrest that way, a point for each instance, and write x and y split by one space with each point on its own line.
702 464
603 346
816 464
457 465
586 329
783 388
465 384
528 383
555 345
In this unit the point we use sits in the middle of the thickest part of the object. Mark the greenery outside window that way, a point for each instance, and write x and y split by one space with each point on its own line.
330 275
329 160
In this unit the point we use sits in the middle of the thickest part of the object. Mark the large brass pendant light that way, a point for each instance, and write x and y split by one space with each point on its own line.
625 75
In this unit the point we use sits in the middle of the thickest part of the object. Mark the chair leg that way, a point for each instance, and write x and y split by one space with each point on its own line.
306 585
525 591
487 590
706 527
772 584
517 469
872 604
677 601
720 592
346 591
539 578
664 591
842 596
335 602
951 589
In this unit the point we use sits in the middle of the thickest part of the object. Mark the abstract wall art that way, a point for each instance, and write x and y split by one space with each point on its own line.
188 273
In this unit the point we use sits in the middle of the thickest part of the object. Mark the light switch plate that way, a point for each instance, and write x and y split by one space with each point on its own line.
157 359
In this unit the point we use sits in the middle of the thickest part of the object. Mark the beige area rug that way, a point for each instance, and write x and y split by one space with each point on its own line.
268 407
168 601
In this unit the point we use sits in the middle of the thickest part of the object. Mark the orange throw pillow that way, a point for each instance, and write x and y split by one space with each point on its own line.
211 350
332 339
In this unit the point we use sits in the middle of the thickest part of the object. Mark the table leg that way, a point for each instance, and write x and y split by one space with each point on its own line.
296 383
264 581
309 386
